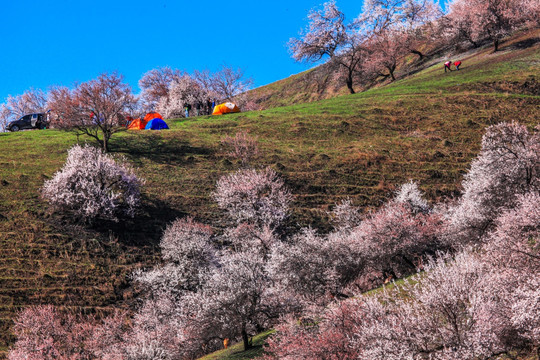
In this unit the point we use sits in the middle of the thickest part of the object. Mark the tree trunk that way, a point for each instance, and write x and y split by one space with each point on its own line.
245 339
496 45
391 71
105 142
420 55
474 43
350 84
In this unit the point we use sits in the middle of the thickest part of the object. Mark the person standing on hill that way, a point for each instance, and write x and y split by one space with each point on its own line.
447 65
187 107
457 64
209 107
198 108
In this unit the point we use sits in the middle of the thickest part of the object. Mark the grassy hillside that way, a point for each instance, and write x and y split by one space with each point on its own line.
317 84
426 127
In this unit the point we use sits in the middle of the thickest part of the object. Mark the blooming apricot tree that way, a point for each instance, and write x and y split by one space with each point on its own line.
254 196
490 19
155 85
329 36
94 185
94 108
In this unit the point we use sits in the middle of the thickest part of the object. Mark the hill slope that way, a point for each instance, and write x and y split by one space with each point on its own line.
318 83
426 127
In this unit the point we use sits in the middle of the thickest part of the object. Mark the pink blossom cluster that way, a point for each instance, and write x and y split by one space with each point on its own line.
476 302
473 293
46 332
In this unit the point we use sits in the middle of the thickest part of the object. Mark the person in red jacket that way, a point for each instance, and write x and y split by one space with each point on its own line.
447 65
457 63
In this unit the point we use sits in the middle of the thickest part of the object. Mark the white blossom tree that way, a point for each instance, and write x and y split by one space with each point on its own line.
155 85
254 196
94 185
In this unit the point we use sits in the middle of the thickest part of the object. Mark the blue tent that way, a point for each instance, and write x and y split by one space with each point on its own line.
156 124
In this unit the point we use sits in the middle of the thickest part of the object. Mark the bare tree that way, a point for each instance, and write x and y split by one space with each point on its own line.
93 108
242 147
224 84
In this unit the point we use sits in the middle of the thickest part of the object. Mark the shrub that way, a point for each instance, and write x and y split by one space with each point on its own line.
94 185
242 147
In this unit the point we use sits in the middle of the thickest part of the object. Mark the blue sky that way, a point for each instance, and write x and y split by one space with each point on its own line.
46 43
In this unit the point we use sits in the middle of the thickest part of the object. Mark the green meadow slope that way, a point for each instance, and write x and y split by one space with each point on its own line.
426 127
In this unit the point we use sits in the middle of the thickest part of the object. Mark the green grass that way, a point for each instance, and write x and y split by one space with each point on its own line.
236 351
426 127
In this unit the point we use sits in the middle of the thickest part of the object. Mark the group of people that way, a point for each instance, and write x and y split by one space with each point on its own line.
448 64
201 107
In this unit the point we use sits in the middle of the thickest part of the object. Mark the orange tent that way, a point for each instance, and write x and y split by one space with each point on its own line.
151 116
140 124
137 124
225 108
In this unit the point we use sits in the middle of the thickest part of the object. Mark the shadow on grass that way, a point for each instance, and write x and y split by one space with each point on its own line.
157 148
524 44
146 228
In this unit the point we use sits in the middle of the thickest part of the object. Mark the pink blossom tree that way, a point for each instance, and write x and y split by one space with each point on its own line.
457 309
510 243
457 25
526 310
188 249
255 196
508 165
406 22
396 237
491 19
249 237
94 185
94 108
327 336
329 36
345 216
239 300
182 90
45 332
171 323
315 268
387 49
